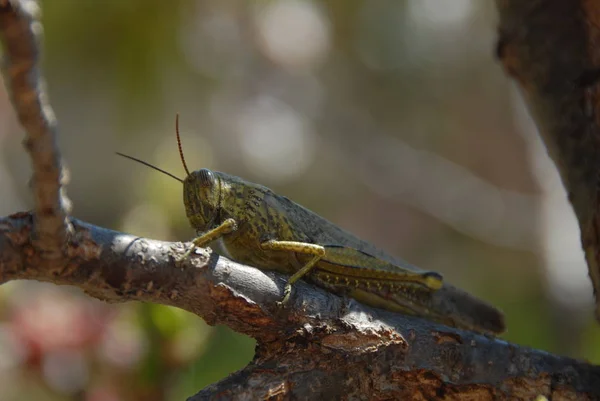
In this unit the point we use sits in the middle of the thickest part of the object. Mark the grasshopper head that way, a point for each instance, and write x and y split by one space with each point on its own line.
201 196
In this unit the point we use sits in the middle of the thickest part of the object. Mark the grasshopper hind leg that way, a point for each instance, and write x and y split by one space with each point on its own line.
317 251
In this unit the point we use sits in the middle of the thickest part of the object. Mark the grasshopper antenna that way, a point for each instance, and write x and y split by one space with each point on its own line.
179 144
150 165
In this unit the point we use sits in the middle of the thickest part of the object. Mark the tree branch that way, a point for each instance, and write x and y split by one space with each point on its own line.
21 33
321 345
550 48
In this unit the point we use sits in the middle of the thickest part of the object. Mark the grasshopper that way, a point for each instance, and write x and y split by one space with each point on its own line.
260 228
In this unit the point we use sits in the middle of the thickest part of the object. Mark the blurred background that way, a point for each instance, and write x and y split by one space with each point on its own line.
390 118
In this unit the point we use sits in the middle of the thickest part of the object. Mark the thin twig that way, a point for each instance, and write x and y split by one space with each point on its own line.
21 33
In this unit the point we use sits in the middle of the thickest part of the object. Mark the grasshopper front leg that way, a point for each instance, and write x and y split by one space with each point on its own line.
226 227
299 247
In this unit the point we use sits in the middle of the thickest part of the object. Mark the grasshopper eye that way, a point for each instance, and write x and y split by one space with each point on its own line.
206 178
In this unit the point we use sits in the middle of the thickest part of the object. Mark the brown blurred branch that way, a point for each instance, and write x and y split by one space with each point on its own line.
21 31
551 50
320 347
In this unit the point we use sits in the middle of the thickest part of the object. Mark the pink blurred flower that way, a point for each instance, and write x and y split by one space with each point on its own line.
51 321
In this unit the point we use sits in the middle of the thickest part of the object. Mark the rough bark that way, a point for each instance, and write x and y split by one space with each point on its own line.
550 48
320 346
21 31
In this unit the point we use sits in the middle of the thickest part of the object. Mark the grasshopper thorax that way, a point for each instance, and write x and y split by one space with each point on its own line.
202 199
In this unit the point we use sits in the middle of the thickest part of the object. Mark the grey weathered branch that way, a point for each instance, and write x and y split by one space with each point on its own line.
550 48
20 31
319 347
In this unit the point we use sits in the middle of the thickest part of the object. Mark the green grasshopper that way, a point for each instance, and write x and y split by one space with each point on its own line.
263 229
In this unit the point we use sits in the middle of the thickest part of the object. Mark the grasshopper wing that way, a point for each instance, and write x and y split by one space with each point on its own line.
353 261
